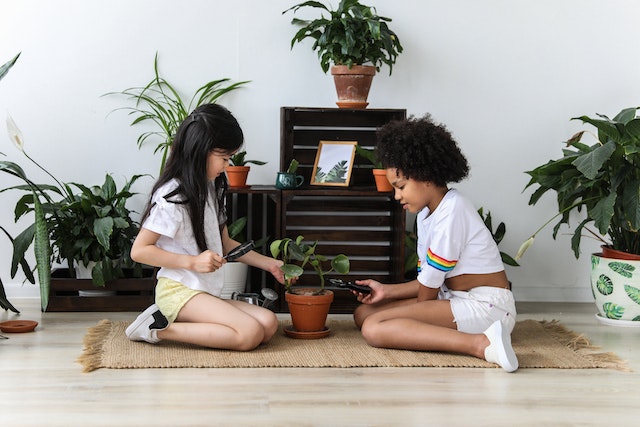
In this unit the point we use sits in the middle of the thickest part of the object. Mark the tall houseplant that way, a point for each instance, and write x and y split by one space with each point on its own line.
352 38
602 182
308 306
90 224
160 102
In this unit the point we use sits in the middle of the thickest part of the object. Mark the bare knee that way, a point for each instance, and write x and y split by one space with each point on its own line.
360 314
371 333
250 337
270 326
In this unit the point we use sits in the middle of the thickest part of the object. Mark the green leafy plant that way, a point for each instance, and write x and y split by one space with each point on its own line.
92 225
602 179
160 102
369 155
239 159
296 255
352 34
4 69
498 235
236 231
293 166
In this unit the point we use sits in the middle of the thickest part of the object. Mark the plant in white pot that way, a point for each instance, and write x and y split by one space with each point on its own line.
354 41
86 226
309 307
602 181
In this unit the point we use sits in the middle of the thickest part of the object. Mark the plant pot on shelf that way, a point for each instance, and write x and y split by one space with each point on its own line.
353 84
309 311
382 183
237 176
615 284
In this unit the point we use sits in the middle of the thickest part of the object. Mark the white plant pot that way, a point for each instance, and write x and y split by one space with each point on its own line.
235 279
615 284
84 271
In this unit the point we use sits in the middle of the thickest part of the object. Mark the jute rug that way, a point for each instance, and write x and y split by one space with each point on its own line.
537 345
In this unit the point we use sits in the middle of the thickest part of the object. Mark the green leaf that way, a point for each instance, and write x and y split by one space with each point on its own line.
4 69
340 264
622 268
612 311
42 252
590 163
103 228
633 293
604 285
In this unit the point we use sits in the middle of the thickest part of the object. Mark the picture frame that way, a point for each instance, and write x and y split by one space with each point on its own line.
334 163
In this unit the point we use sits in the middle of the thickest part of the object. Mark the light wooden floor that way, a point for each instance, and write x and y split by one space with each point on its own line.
43 385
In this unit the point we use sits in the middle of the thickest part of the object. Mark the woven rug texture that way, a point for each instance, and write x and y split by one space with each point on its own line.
538 344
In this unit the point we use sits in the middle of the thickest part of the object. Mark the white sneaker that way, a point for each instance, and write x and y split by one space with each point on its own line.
147 325
499 350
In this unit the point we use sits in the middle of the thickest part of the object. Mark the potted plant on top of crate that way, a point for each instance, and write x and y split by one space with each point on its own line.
354 41
601 181
308 306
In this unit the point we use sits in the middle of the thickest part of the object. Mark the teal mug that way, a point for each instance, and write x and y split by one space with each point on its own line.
288 181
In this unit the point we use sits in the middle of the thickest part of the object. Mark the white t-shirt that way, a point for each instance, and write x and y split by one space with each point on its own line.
171 221
453 240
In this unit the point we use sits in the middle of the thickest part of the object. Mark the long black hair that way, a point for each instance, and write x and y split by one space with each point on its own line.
210 127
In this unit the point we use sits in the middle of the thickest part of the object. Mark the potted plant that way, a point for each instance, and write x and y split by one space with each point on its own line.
602 181
379 173
355 40
237 171
308 306
160 102
91 226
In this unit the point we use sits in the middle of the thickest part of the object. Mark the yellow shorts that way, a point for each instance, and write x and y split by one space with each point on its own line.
171 296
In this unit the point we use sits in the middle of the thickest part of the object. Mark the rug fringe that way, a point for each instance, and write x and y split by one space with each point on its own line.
583 346
91 357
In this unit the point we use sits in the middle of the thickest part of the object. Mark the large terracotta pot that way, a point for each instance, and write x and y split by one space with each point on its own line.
615 284
309 312
353 84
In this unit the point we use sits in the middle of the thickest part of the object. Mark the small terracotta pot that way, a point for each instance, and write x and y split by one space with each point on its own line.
309 312
237 176
382 183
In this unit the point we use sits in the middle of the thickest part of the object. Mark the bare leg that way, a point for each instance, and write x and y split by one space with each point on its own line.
427 325
212 322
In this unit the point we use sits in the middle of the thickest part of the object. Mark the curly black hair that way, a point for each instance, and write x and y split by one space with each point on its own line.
422 150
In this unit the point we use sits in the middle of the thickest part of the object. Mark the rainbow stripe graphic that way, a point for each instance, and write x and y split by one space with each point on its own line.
440 263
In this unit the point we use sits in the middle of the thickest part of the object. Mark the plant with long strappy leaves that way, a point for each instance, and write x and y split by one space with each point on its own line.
160 103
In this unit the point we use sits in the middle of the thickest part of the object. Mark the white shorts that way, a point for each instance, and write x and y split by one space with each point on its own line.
475 310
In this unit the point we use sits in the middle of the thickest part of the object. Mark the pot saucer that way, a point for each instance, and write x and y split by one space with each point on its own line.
291 332
18 326
614 322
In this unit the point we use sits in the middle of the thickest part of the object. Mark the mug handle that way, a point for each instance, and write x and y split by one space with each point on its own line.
299 180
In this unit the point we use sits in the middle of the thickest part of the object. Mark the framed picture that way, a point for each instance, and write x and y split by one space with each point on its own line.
334 163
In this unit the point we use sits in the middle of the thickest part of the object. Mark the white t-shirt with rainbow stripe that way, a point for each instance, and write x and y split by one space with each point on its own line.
453 240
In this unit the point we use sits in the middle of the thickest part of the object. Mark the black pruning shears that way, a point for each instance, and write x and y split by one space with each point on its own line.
239 250
350 285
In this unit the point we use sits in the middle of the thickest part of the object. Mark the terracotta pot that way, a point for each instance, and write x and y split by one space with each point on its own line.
237 176
309 312
382 183
609 252
353 84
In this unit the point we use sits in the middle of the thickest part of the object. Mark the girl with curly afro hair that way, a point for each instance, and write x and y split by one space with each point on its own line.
461 301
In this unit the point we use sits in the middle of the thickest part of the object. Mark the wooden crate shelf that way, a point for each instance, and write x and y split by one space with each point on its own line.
131 294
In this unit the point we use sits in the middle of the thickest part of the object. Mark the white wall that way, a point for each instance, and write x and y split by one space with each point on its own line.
504 75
